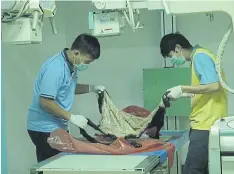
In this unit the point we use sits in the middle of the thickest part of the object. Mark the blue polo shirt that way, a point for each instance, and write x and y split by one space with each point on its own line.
56 80
204 68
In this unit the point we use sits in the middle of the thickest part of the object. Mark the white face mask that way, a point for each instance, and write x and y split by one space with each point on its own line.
81 66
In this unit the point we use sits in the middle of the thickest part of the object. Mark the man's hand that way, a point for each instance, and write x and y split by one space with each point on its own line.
187 95
78 120
175 92
202 89
96 88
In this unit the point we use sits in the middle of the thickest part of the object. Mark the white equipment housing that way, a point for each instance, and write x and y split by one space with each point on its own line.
106 23
221 146
22 20
20 32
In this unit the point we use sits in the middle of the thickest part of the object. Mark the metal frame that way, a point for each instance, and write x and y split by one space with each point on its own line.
144 167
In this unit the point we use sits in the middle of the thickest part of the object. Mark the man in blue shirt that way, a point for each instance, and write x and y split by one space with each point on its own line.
54 90
209 102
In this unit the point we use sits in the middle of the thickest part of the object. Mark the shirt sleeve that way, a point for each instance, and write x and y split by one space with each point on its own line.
204 67
51 81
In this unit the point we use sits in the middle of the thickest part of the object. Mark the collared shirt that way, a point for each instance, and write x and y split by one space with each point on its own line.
56 80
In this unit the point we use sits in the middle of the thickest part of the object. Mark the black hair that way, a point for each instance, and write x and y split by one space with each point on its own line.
87 44
169 41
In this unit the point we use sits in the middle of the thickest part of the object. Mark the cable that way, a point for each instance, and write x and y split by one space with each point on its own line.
126 17
131 17
219 58
138 22
21 11
167 10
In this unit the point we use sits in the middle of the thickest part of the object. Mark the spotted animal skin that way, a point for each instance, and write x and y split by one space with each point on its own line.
151 125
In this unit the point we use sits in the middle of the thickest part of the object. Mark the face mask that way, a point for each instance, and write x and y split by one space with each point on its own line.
81 66
178 60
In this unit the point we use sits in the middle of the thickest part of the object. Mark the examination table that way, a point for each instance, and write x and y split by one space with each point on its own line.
155 162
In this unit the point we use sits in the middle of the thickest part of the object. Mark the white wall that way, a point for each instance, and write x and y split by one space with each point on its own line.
20 65
124 83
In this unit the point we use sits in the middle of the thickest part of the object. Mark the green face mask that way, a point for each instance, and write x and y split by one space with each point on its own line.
178 60
81 66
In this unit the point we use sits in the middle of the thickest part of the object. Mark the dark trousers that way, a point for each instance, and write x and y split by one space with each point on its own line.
43 149
197 157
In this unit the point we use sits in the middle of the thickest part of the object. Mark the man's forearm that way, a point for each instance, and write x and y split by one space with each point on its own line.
81 89
201 89
50 106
